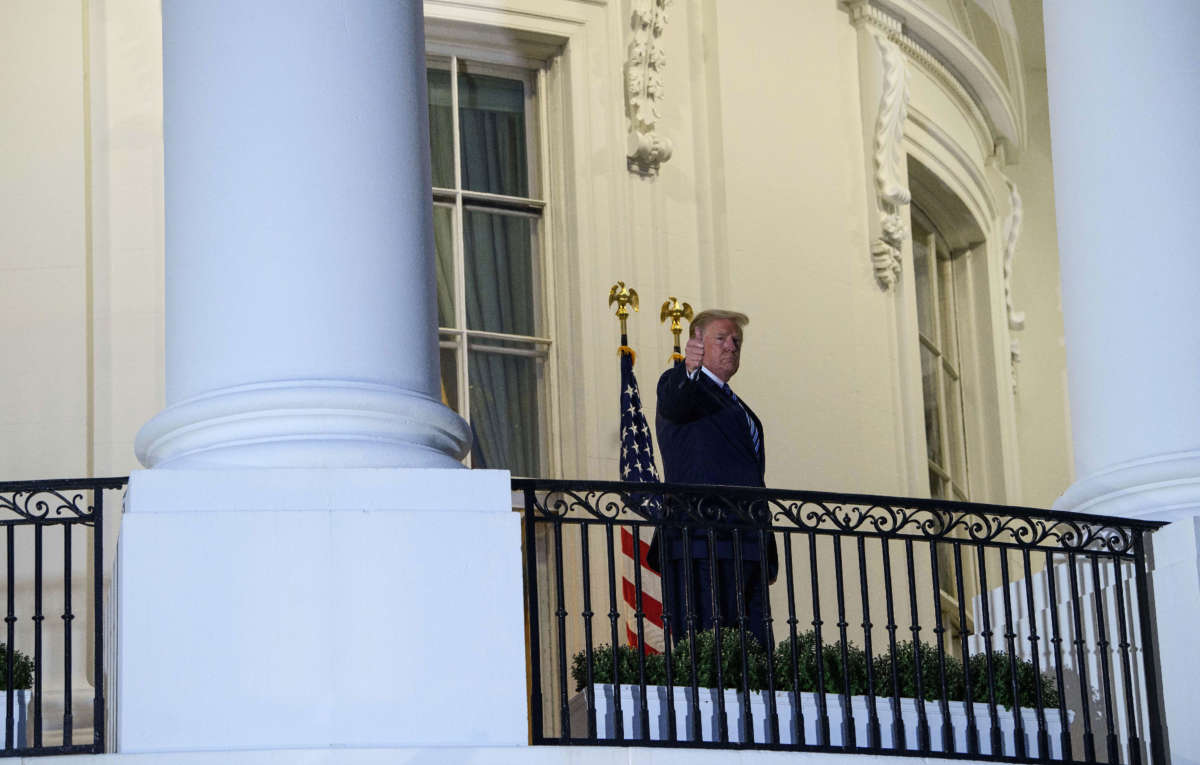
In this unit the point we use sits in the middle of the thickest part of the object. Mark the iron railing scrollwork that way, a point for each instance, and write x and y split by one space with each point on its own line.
904 626
53 551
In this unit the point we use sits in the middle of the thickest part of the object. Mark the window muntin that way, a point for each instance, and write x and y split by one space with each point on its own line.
936 278
488 223
941 370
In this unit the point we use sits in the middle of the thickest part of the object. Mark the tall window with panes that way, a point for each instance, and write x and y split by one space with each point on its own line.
488 216
937 277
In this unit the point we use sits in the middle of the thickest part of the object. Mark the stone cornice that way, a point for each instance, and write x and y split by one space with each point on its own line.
953 61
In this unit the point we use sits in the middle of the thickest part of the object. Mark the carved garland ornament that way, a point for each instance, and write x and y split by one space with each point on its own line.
647 150
889 163
1012 231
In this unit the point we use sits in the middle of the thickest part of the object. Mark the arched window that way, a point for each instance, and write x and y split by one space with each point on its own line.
961 410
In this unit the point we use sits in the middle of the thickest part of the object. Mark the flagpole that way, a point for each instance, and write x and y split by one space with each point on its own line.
641 584
674 310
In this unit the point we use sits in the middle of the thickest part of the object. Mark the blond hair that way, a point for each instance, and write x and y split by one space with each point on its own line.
704 318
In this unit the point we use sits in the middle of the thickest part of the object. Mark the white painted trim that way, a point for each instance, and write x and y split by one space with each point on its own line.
967 65
936 150
564 41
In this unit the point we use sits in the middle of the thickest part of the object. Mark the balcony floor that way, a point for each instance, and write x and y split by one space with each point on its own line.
529 755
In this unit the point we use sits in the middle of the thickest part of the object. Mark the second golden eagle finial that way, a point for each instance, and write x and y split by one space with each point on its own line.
675 311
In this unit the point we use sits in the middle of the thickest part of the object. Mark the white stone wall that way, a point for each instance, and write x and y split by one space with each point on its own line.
43 257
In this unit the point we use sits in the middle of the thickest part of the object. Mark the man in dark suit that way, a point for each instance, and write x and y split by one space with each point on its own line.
707 435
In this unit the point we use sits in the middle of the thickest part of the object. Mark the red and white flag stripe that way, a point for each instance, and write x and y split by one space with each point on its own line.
652 622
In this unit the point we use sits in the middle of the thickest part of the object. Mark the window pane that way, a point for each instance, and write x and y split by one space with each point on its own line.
935 485
929 386
443 245
947 581
924 288
491 124
505 416
499 273
954 431
949 309
441 128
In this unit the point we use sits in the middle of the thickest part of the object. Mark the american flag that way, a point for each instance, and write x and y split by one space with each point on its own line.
637 464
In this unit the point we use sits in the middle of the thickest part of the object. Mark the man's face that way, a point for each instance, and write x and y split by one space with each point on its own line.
722 348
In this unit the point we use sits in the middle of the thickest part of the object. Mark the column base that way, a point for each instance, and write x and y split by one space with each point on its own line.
1164 487
264 609
305 423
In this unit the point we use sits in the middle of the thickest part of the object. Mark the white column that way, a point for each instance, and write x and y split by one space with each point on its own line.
1124 81
300 304
296 571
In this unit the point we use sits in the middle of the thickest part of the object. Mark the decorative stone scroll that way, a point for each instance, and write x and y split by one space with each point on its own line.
647 149
888 73
1012 231
889 163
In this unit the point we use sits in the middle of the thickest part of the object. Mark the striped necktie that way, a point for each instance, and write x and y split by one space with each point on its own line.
749 420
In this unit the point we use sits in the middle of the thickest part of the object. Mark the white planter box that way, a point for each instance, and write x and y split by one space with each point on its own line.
20 717
656 704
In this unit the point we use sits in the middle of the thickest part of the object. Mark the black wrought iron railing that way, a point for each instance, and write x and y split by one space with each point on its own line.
878 624
52 665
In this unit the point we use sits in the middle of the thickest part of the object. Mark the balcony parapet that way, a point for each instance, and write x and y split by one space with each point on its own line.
1027 633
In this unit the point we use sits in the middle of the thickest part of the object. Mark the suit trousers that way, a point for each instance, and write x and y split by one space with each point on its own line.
719 608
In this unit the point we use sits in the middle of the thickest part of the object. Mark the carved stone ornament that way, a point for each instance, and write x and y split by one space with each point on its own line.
886 260
890 160
647 150
1012 231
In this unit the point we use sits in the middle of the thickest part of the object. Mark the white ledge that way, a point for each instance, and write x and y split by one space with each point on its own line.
483 755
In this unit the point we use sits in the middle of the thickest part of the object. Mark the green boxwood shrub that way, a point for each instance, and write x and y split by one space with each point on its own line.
627 662
831 661
731 660
1027 681
800 659
22 669
906 673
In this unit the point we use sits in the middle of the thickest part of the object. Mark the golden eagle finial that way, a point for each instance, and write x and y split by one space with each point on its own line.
674 310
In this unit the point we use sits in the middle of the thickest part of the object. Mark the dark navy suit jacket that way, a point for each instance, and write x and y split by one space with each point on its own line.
704 438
